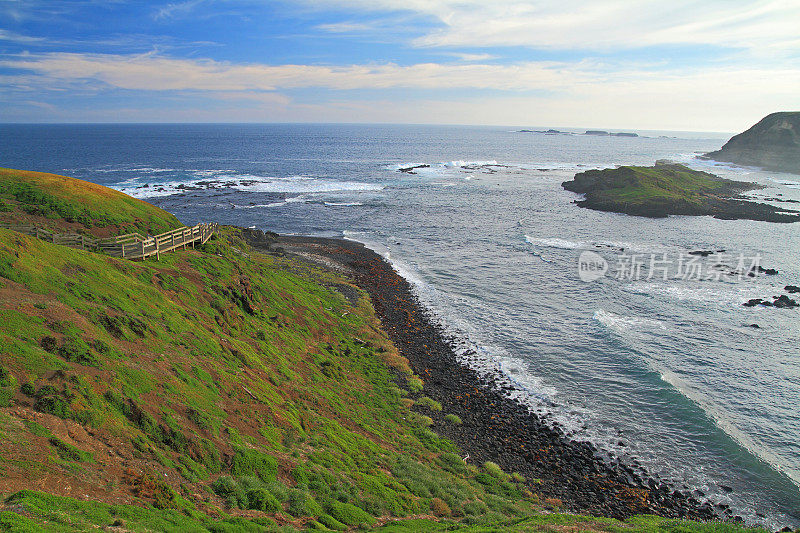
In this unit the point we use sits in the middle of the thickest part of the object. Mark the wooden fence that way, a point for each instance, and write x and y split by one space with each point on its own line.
130 246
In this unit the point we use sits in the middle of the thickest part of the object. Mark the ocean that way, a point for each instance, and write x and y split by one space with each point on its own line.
649 353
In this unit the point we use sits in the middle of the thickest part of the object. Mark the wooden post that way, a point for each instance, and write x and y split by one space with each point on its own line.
158 257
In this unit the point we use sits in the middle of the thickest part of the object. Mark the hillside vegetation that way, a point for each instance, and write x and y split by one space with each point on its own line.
66 204
221 389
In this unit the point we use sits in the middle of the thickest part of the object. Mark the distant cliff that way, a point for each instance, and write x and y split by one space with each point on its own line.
773 144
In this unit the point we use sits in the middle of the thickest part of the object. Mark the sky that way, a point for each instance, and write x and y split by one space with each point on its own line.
706 65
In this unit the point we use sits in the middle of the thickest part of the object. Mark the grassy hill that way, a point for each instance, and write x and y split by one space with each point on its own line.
69 204
222 389
670 189
773 143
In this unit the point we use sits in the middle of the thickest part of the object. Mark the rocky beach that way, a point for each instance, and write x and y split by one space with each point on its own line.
565 472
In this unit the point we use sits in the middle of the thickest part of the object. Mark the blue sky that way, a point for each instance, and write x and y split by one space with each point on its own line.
646 64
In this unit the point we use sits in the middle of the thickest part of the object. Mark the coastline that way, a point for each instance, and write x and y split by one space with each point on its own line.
568 474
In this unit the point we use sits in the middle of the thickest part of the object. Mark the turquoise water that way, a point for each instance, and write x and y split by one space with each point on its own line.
668 373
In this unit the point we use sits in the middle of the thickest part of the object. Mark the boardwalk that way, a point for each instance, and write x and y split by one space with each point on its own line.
130 246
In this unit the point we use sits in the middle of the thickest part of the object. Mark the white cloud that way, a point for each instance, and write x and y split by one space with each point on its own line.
596 24
463 56
6 35
585 93
153 72
175 9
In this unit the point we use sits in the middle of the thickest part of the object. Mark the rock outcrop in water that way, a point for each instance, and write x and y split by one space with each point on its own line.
772 144
671 189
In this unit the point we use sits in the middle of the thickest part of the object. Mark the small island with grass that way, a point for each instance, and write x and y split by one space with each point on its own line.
671 189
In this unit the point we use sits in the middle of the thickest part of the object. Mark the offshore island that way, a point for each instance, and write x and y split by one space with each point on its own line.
671 189
256 382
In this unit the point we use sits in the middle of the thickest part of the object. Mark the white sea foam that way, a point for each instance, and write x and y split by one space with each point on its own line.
462 164
419 166
718 293
622 324
613 246
343 204
247 183
150 170
555 242
784 182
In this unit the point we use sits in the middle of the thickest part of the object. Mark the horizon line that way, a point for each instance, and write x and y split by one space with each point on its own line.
254 123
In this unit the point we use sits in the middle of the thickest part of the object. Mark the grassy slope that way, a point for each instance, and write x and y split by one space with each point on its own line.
225 390
63 203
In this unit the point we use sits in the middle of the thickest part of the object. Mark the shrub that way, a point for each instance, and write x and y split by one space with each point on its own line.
200 419
279 490
253 462
553 503
46 390
7 385
429 403
68 452
6 395
331 523
152 486
453 419
224 486
302 504
76 350
494 470
475 508
49 344
27 389
262 500
453 464
53 405
440 508
415 384
5 377
420 420
349 514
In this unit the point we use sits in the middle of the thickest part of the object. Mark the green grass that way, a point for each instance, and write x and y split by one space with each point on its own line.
644 185
59 198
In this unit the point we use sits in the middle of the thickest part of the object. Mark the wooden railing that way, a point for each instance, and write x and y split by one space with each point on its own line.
130 246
